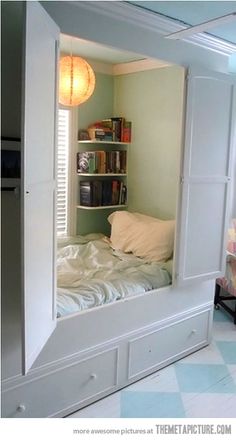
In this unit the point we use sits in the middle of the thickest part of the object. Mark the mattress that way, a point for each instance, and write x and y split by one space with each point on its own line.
91 273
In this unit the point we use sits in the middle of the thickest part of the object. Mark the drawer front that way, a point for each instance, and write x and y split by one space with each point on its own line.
62 388
150 350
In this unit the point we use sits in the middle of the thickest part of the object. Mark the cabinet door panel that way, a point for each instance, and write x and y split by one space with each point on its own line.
205 180
211 109
38 179
204 250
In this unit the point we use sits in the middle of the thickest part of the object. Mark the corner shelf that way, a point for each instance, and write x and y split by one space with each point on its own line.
101 207
102 175
95 141
106 146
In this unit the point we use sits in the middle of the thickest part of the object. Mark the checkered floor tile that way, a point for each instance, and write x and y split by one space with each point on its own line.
200 385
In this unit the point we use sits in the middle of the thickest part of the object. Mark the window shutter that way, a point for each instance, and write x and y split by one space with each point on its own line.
62 171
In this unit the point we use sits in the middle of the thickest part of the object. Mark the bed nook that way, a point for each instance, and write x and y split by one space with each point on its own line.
131 272
124 247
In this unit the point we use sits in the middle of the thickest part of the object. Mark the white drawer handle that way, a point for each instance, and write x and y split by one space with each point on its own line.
93 376
194 331
21 408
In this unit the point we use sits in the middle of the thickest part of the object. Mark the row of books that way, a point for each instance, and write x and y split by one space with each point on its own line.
102 193
115 129
102 162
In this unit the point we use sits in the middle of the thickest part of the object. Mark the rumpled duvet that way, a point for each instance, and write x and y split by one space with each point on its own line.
90 273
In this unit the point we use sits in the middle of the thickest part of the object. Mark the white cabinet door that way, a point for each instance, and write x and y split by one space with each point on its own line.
38 179
205 179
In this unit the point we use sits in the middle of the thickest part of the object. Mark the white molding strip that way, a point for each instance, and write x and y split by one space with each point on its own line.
202 27
100 67
154 22
138 66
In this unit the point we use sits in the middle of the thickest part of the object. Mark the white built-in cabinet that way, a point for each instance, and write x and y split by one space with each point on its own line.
203 185
38 195
205 176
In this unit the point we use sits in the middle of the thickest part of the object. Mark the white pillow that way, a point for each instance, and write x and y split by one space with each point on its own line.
144 236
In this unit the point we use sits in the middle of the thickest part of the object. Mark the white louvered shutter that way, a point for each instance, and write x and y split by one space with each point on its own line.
62 171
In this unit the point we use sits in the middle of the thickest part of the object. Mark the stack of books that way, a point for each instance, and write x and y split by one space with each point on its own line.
102 193
101 162
115 129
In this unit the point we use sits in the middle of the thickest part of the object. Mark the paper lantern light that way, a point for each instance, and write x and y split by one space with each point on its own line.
76 82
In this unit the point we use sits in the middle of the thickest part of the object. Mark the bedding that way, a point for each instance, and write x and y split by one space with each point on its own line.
91 273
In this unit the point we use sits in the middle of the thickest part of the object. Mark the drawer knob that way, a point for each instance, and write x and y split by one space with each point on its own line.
21 408
194 331
93 376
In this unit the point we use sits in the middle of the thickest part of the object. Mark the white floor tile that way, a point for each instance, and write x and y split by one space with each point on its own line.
163 381
232 370
209 405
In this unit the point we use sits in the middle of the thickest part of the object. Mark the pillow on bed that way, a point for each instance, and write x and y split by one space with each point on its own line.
150 239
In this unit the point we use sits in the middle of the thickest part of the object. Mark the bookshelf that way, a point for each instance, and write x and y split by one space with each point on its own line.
95 208
96 141
102 174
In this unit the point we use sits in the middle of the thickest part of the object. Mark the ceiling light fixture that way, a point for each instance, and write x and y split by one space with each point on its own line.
76 81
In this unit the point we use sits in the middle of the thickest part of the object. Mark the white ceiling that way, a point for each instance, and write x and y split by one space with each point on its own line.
195 12
95 51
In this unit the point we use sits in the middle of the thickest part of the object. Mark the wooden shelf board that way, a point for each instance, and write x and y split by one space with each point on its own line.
101 207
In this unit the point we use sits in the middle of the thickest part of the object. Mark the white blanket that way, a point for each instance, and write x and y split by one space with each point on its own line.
91 273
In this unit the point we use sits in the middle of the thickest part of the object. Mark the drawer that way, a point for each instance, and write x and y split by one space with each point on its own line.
62 388
150 350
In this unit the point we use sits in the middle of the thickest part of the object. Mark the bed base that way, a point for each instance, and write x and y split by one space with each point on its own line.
94 354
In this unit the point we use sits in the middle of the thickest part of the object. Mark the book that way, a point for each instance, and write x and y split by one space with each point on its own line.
86 193
97 193
123 195
123 161
106 192
101 162
118 123
126 134
115 192
120 192
86 162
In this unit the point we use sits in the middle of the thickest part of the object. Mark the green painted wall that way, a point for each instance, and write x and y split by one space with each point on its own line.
153 101
99 106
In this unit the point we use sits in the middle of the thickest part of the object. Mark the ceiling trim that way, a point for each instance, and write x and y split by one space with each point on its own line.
154 22
201 27
138 66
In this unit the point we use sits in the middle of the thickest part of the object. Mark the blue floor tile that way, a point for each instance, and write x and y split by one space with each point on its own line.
149 404
200 378
221 315
227 350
